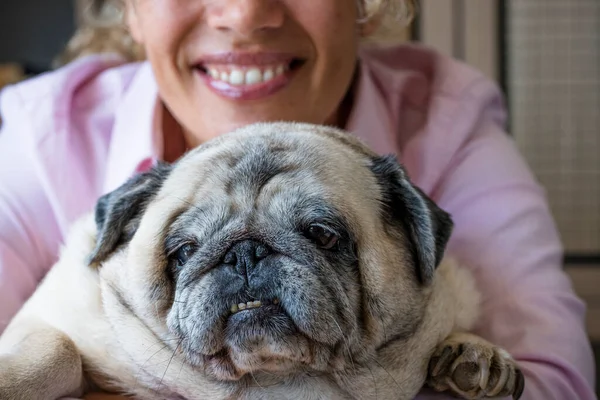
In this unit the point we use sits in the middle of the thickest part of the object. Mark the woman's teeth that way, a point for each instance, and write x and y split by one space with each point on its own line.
248 76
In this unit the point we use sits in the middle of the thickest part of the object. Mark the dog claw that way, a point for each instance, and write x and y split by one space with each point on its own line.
485 374
519 385
443 362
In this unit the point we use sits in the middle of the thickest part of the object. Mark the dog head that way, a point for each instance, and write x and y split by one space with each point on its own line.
278 247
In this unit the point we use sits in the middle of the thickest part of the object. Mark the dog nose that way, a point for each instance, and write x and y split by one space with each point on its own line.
245 255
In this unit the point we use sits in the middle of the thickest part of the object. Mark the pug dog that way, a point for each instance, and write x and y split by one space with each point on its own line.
279 261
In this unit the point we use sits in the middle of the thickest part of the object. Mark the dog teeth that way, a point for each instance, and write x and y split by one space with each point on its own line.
248 305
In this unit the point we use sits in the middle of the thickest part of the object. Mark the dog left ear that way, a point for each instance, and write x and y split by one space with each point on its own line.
118 213
428 226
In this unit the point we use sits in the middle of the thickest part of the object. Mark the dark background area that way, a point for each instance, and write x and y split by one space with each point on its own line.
33 32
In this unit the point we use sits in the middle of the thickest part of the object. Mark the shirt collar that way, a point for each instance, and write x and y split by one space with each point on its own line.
369 119
136 142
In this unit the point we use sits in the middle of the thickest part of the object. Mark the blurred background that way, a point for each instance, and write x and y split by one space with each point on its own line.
544 54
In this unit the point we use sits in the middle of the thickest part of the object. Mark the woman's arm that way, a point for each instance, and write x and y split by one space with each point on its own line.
505 233
29 236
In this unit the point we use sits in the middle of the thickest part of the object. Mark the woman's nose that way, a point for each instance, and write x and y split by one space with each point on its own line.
246 17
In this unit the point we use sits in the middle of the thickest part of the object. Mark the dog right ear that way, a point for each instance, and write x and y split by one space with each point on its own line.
118 213
427 226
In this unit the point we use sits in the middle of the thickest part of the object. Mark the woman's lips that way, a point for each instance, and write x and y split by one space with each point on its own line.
246 91
247 76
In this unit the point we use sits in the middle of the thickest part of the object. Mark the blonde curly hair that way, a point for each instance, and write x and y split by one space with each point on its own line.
102 28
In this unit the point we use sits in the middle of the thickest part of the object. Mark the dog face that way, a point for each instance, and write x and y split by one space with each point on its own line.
278 247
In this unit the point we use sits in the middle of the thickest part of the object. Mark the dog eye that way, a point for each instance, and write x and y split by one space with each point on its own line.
184 253
322 236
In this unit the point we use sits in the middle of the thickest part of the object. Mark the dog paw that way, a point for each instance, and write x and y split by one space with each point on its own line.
472 368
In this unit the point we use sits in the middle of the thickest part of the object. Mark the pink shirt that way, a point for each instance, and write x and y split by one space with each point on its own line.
76 133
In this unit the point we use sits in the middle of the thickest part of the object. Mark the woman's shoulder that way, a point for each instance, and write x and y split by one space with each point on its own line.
50 103
437 73
435 105
58 128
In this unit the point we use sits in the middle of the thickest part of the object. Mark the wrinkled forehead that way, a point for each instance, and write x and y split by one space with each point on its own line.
284 136
257 164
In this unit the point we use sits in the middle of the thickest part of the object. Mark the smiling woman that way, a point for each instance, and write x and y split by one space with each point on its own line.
209 66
